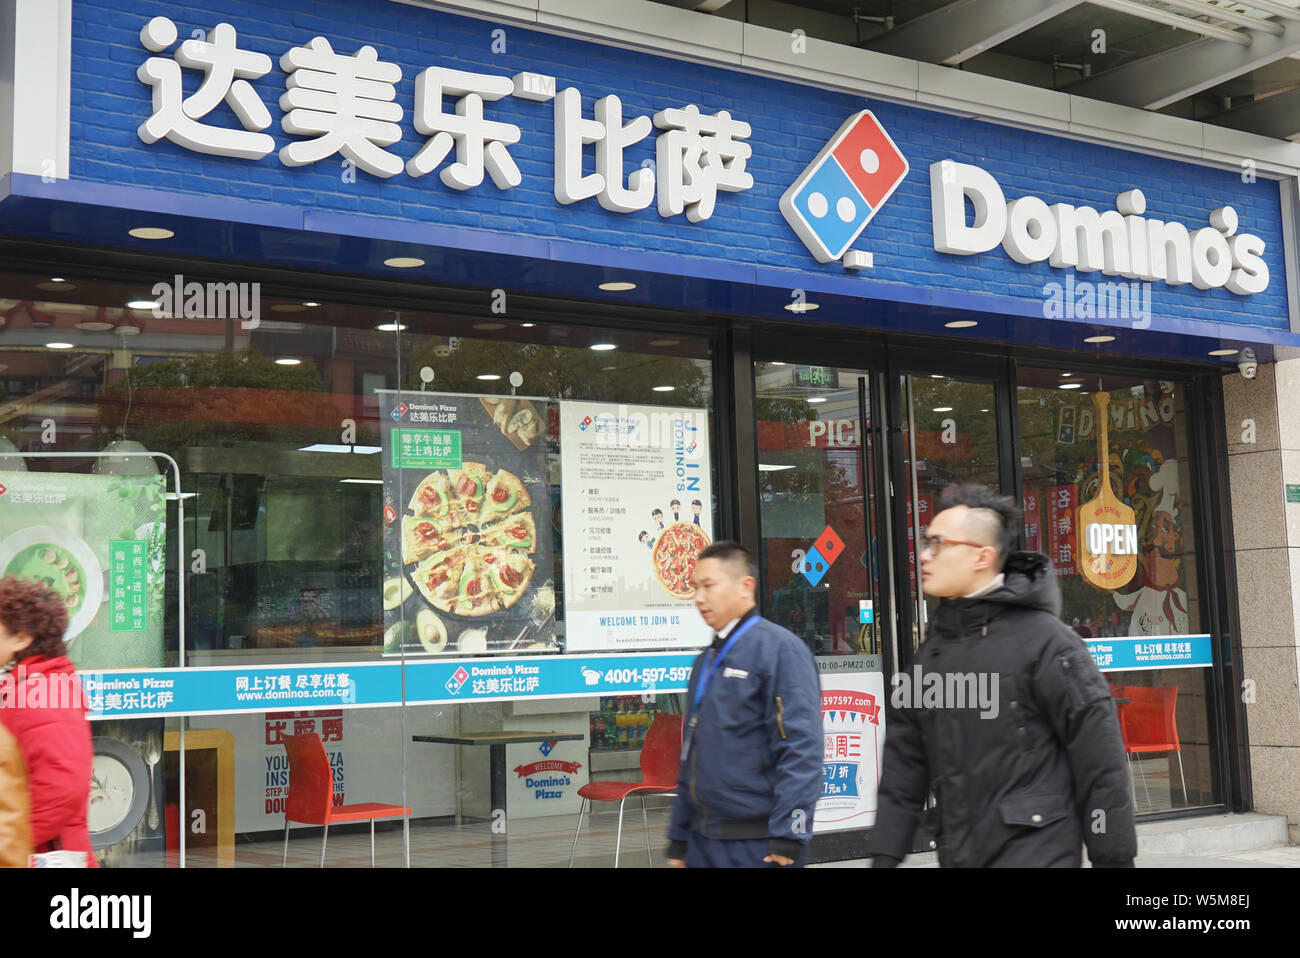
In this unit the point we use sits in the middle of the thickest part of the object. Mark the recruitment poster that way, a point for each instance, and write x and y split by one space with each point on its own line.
853 740
99 543
467 524
637 512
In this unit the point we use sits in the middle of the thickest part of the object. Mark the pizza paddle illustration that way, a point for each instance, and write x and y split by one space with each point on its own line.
1105 568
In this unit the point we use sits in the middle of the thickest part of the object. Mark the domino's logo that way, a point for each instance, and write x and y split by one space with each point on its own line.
585 424
820 555
457 680
398 412
834 199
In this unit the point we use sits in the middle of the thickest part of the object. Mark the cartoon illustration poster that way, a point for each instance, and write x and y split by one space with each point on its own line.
637 511
467 524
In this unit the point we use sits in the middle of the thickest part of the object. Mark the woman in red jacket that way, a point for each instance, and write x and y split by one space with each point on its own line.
42 708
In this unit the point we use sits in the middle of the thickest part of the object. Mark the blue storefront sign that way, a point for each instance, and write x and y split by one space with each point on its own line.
227 689
1151 652
329 134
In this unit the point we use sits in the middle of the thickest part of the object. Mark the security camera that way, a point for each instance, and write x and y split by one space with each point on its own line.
1247 364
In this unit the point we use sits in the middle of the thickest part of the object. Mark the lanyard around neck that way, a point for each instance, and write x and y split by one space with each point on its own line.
717 659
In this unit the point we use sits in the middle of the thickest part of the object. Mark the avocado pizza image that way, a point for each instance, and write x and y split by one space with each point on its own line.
470 540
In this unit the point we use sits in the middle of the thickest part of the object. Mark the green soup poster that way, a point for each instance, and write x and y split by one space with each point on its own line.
99 543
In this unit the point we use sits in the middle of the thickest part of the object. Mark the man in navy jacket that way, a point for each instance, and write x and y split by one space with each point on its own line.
751 769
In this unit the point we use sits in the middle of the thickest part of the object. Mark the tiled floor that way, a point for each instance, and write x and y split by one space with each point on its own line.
530 843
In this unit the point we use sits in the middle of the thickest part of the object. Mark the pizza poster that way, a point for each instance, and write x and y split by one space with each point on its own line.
467 524
637 511
99 543
853 742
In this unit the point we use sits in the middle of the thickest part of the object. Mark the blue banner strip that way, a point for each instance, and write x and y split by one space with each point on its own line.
1151 652
227 689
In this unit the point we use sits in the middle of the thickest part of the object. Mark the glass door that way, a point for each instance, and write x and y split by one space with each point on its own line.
950 429
817 501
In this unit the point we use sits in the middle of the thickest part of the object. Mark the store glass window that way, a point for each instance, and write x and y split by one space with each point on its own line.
320 503
1108 496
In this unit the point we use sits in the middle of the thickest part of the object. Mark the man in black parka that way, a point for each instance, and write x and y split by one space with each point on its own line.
1033 769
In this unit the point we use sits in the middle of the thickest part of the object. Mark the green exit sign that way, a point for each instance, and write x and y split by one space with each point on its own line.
820 377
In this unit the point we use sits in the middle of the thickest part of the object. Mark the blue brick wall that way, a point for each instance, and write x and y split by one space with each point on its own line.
790 124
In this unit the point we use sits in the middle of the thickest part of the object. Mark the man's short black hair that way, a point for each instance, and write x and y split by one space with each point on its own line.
733 553
976 496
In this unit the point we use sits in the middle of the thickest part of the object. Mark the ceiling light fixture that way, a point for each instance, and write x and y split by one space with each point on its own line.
391 327
1071 385
58 345
801 307
604 347
527 325
1224 352
151 233
664 389
1099 339
288 361
488 377
817 399
148 304
310 304
404 262
961 324
942 409
617 287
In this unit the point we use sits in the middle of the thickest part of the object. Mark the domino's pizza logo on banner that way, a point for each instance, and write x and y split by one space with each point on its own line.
834 199
398 412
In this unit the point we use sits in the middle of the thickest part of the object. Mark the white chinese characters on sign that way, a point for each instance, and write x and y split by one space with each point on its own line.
347 105
226 72
479 142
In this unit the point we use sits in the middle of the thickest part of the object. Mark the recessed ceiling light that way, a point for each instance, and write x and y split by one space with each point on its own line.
489 327
961 324
391 327
404 262
603 347
983 410
1071 385
942 409
617 287
310 304
368 482
289 308
142 304
817 399
1099 339
1224 352
95 324
488 377
1066 375
151 233
527 325
57 279
288 361
936 375
664 342
58 345
801 307
664 389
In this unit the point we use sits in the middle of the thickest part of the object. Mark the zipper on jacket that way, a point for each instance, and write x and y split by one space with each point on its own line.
780 713
704 813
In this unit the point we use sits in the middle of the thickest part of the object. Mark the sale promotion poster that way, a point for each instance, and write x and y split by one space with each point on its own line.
637 512
853 727
467 524
99 543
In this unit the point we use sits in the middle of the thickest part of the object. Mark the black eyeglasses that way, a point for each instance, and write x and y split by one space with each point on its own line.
936 543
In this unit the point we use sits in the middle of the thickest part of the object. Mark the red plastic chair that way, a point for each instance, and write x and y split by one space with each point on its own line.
1148 724
659 760
311 795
